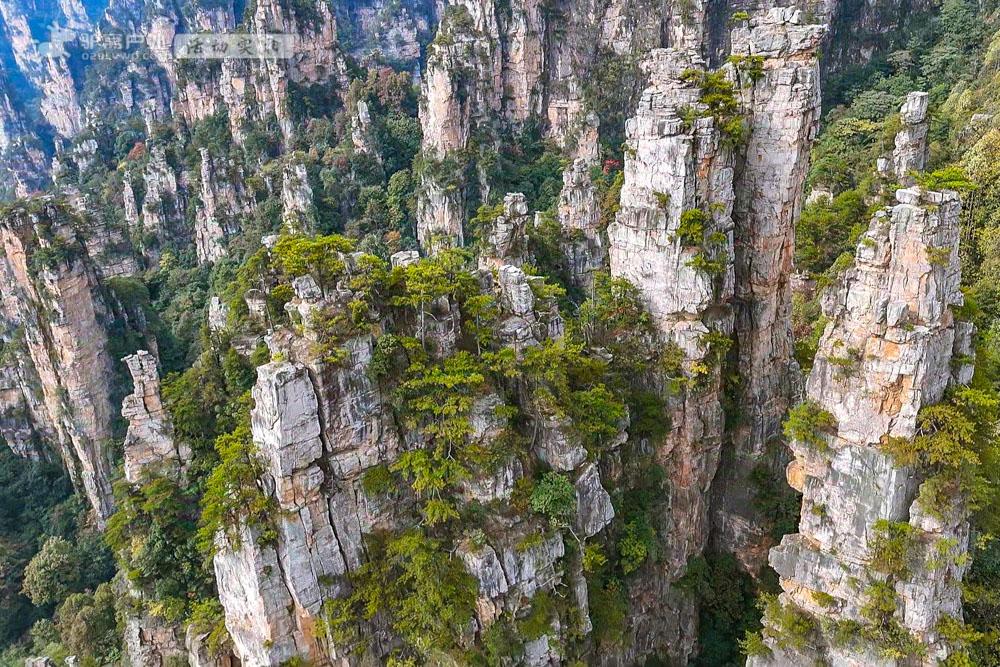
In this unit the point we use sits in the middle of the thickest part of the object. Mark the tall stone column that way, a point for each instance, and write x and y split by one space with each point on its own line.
777 68
49 288
672 238
886 354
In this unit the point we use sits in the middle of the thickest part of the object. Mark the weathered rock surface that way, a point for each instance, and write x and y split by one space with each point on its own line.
675 170
296 199
222 202
579 217
150 447
782 109
56 303
593 503
910 151
271 593
506 239
885 355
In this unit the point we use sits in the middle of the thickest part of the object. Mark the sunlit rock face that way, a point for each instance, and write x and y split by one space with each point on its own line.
886 353
149 443
673 239
782 108
54 297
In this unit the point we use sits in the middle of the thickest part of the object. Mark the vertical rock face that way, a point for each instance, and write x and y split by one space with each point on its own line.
782 108
296 199
49 289
223 200
20 153
149 442
394 31
506 240
272 592
579 217
672 168
162 205
885 355
46 67
150 452
318 60
24 418
153 642
459 88
910 151
672 238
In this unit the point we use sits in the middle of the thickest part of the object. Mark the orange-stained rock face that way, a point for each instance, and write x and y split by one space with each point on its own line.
60 312
886 354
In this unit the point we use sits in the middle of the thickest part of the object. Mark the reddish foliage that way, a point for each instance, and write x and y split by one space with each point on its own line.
137 151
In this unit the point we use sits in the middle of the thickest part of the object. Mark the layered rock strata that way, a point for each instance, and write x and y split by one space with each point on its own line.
886 354
320 427
910 148
150 447
673 239
50 290
579 218
776 66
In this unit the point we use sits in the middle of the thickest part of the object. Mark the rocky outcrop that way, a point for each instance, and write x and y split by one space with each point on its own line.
24 418
389 30
505 241
885 354
297 199
256 90
162 204
21 154
46 67
152 641
272 590
910 151
49 288
672 238
222 202
782 108
150 447
579 218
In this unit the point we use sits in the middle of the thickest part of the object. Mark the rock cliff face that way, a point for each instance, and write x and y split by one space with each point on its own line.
782 107
51 291
24 418
46 66
886 354
672 238
910 151
703 228
296 199
579 218
398 32
163 204
149 442
495 67
272 593
223 200
322 428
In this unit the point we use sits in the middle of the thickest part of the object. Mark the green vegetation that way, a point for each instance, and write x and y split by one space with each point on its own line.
554 497
423 590
234 499
727 611
955 447
810 424
718 95
439 357
785 625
